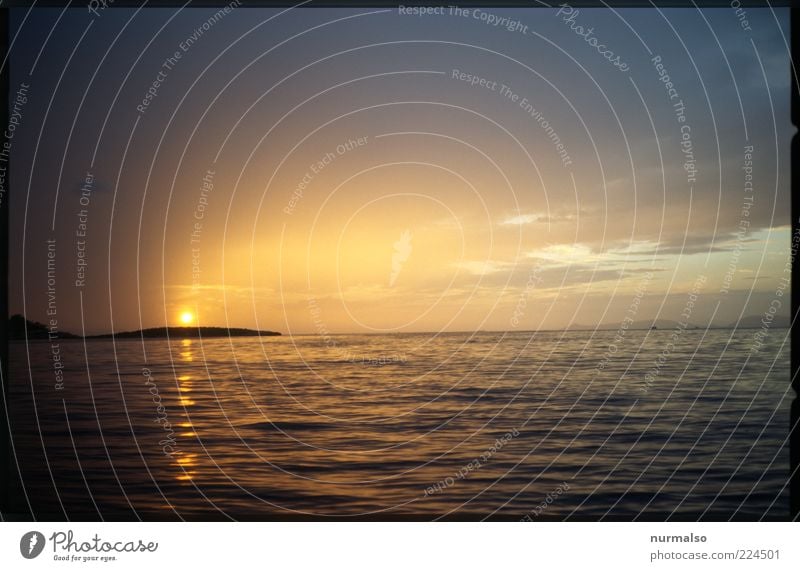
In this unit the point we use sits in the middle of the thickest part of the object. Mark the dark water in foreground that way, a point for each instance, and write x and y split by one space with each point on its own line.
407 426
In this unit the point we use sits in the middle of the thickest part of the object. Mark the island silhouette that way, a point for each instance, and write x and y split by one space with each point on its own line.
20 328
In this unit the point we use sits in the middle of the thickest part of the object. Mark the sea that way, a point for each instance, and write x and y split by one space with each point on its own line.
658 425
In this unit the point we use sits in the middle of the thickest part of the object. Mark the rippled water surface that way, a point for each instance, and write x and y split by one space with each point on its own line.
546 426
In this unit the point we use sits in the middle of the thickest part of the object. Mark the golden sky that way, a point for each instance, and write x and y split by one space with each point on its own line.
340 169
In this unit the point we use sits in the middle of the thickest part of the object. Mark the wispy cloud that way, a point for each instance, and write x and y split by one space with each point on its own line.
482 268
402 250
520 220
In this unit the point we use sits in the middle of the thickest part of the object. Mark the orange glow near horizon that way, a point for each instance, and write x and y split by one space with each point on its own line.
187 317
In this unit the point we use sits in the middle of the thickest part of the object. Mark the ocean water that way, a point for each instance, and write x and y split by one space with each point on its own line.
540 426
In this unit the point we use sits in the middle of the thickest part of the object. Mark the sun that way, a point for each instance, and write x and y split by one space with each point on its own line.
187 317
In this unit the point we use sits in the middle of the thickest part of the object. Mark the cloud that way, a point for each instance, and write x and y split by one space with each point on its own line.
687 245
520 220
482 268
564 254
543 218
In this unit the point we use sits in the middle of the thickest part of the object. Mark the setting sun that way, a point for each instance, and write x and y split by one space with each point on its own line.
187 317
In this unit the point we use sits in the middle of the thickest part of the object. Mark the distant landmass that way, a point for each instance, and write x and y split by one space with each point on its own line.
643 324
749 322
754 322
184 332
17 326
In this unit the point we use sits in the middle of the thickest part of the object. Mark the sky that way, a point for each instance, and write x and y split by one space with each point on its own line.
366 170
